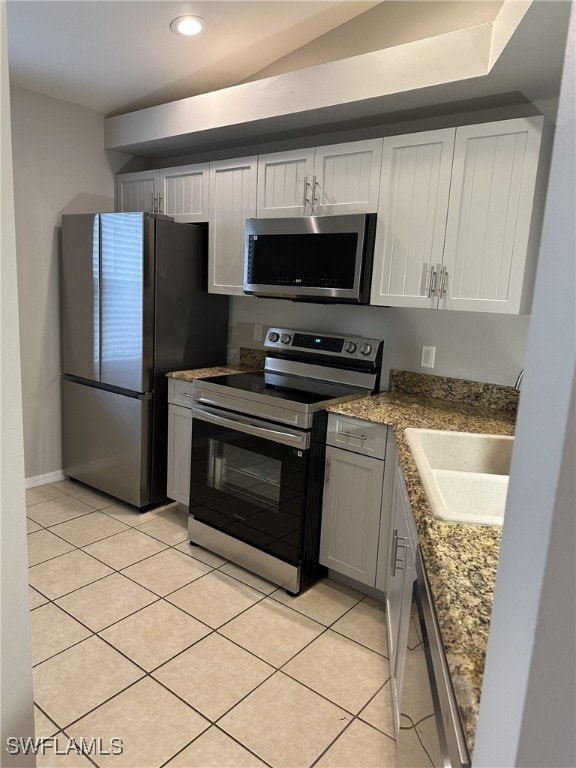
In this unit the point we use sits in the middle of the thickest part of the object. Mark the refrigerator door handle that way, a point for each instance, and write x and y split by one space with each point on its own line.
108 387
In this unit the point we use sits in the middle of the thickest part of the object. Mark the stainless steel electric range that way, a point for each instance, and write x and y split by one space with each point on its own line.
258 450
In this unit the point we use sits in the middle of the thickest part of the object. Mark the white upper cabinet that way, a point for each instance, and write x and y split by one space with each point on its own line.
459 210
137 191
184 192
414 192
491 246
181 192
232 201
285 183
460 217
337 179
347 177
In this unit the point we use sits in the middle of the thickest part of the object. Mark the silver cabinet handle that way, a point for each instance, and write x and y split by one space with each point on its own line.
356 437
315 183
160 200
443 282
307 188
394 552
432 283
395 564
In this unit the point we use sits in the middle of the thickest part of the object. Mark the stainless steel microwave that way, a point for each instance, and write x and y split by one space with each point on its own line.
311 258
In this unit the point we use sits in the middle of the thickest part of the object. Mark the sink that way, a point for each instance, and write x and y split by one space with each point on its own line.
465 474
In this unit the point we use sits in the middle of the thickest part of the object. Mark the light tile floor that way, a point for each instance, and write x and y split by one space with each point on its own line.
188 659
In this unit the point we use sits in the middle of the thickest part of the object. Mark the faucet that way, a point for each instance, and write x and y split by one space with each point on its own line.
519 380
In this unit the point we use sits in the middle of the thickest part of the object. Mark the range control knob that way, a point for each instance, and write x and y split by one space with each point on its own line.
273 336
350 347
286 338
365 349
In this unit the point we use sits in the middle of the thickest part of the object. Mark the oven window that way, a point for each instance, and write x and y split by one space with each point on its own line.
240 471
251 488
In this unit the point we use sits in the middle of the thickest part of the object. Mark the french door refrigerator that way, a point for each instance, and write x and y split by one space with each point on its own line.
134 306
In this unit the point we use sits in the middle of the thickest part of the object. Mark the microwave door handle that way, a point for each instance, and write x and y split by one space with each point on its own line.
237 422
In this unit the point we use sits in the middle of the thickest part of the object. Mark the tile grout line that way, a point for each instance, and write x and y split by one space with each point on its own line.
274 669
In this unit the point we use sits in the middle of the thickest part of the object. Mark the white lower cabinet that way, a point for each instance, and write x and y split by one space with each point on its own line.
353 498
401 577
351 514
179 440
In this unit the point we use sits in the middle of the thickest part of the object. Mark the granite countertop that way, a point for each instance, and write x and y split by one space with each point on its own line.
460 559
250 360
205 373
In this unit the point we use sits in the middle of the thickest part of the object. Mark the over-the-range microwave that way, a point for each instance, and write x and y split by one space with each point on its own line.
311 258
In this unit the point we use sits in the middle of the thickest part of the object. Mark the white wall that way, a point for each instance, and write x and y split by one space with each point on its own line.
60 166
387 24
16 705
528 706
469 345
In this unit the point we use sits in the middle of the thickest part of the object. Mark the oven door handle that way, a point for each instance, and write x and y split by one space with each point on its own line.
251 427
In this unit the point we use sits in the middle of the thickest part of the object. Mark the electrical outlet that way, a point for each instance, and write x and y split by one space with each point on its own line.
257 331
428 355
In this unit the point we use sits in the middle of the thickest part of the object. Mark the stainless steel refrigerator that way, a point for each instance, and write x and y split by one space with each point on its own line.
134 306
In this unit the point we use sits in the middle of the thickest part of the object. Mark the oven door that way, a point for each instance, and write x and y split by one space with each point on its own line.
249 480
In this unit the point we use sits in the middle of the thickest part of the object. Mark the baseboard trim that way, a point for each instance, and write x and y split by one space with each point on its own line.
50 477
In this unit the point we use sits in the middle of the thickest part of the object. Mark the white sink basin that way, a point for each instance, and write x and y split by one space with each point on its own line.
465 474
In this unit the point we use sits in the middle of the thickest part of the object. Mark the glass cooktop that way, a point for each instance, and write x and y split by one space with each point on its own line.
293 388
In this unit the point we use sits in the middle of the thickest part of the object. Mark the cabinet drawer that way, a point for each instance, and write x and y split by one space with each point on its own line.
180 392
357 435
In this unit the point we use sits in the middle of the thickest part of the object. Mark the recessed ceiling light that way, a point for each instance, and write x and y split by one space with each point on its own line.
187 25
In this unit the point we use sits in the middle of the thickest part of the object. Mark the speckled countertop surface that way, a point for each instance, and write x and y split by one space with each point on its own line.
250 360
204 373
460 560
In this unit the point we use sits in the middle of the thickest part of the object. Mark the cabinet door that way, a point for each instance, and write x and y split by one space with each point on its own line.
414 192
386 527
285 183
184 192
137 191
399 594
490 216
232 201
351 514
347 177
179 453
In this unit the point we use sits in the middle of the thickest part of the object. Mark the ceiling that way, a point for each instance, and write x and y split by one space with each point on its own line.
119 57
115 56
